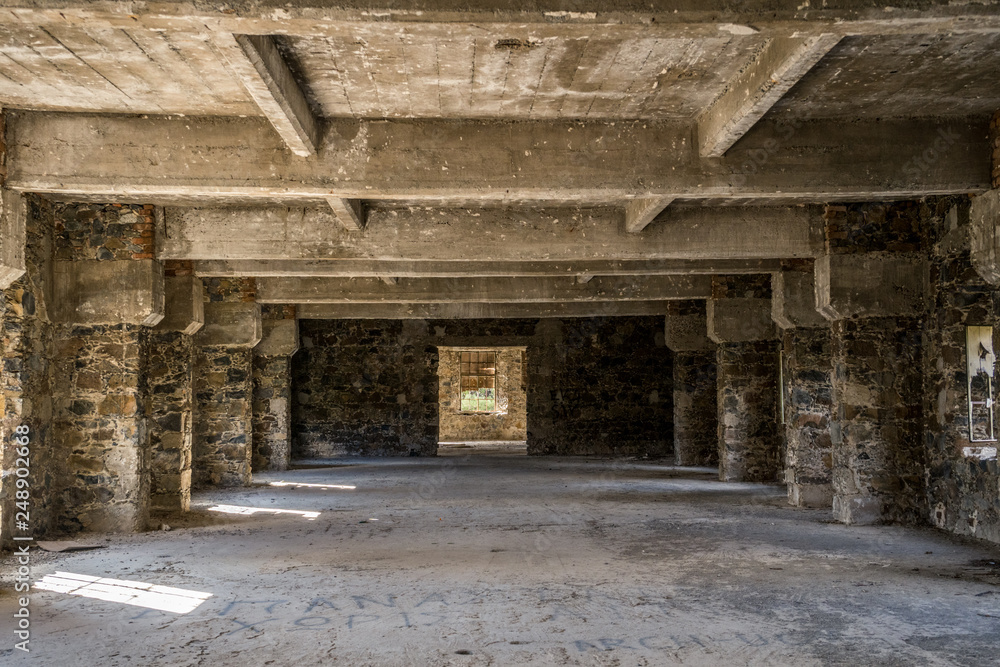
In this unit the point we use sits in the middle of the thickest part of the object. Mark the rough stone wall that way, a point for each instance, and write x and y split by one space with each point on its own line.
26 382
171 364
807 376
878 457
749 444
103 231
100 413
272 412
600 386
995 148
457 426
364 387
696 440
962 491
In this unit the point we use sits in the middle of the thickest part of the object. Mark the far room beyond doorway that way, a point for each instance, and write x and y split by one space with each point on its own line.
483 400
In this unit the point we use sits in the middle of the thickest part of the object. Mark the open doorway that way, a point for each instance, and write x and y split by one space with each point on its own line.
483 400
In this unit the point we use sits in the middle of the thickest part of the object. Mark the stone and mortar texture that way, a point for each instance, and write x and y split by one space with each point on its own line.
696 438
171 366
750 446
458 426
597 386
272 402
223 399
963 492
878 453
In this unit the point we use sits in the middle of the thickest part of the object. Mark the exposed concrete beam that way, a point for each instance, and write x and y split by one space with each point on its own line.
240 159
260 68
686 327
739 320
350 213
583 269
391 281
793 300
279 338
984 239
871 285
231 324
776 66
704 19
184 305
466 311
641 211
481 290
491 235
108 292
13 217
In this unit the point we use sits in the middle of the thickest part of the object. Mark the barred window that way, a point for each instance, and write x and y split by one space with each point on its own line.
478 378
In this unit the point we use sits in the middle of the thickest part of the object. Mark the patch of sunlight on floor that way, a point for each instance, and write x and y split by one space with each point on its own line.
249 511
137 593
316 486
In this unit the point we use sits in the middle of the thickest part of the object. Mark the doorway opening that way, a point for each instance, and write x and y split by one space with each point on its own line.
483 400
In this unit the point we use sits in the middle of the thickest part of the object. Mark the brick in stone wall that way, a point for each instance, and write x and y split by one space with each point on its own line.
749 442
103 231
230 289
170 363
223 413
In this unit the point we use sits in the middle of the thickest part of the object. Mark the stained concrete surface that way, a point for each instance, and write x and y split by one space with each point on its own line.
485 560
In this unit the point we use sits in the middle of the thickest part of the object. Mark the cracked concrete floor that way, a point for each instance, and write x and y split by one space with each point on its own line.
493 560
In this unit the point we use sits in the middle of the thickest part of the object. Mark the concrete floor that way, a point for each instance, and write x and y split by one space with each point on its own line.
521 561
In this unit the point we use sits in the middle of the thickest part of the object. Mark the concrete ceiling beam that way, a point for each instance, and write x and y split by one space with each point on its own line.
259 66
643 210
488 236
481 290
776 66
240 159
585 270
467 311
350 213
13 216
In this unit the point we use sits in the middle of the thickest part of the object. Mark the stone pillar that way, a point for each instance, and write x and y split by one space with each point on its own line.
806 389
223 383
171 367
13 214
25 379
106 290
696 438
272 389
739 322
876 302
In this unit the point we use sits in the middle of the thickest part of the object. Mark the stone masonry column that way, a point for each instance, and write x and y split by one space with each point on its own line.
171 367
106 293
223 375
876 301
807 367
272 388
739 321
696 437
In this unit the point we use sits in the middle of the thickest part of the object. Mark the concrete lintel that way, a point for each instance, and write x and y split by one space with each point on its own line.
107 292
231 325
13 214
643 210
686 330
871 285
184 309
984 219
279 338
482 290
473 311
776 66
258 65
740 320
793 300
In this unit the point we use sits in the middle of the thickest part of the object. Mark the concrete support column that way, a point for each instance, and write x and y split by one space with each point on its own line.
223 384
696 439
171 368
739 321
272 389
876 301
806 389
